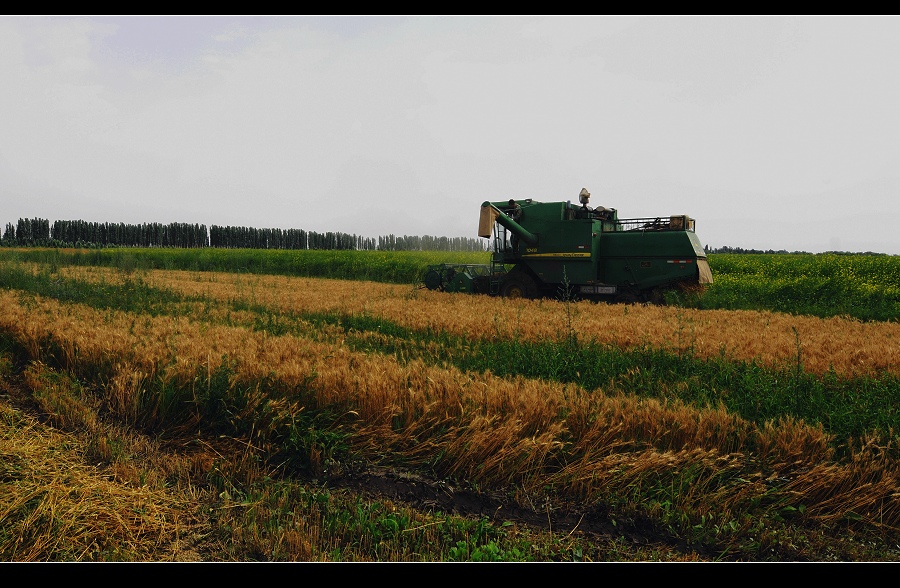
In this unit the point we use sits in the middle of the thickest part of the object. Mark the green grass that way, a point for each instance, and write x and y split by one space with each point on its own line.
134 295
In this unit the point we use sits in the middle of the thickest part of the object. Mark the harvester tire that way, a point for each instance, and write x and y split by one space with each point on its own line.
657 297
628 297
518 286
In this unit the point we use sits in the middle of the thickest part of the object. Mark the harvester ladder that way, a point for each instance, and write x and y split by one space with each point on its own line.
498 268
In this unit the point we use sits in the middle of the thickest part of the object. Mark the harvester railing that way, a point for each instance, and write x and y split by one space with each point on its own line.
659 223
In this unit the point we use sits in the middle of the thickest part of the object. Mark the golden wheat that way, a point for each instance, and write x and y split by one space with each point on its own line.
847 346
490 430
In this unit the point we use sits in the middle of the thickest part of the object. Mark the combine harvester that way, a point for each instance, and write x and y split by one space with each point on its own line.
554 249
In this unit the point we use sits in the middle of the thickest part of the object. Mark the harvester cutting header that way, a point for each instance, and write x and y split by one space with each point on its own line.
547 249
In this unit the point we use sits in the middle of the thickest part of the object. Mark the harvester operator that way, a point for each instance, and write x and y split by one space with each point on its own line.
514 211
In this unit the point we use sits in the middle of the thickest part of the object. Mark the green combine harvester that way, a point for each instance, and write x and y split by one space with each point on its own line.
557 248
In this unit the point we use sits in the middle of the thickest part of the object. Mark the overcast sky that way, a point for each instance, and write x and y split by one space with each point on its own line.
772 132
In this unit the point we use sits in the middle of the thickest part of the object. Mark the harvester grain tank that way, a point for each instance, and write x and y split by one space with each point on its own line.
547 249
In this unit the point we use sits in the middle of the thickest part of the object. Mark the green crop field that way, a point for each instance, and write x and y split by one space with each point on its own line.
398 267
866 287
249 405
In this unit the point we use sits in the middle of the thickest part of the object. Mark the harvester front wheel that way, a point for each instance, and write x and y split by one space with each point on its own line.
519 286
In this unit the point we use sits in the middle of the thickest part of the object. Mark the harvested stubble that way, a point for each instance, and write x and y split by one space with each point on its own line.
58 506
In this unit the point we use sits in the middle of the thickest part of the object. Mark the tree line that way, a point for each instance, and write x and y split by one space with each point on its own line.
726 249
38 232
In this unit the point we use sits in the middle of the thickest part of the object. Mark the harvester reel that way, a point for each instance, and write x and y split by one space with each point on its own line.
433 280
